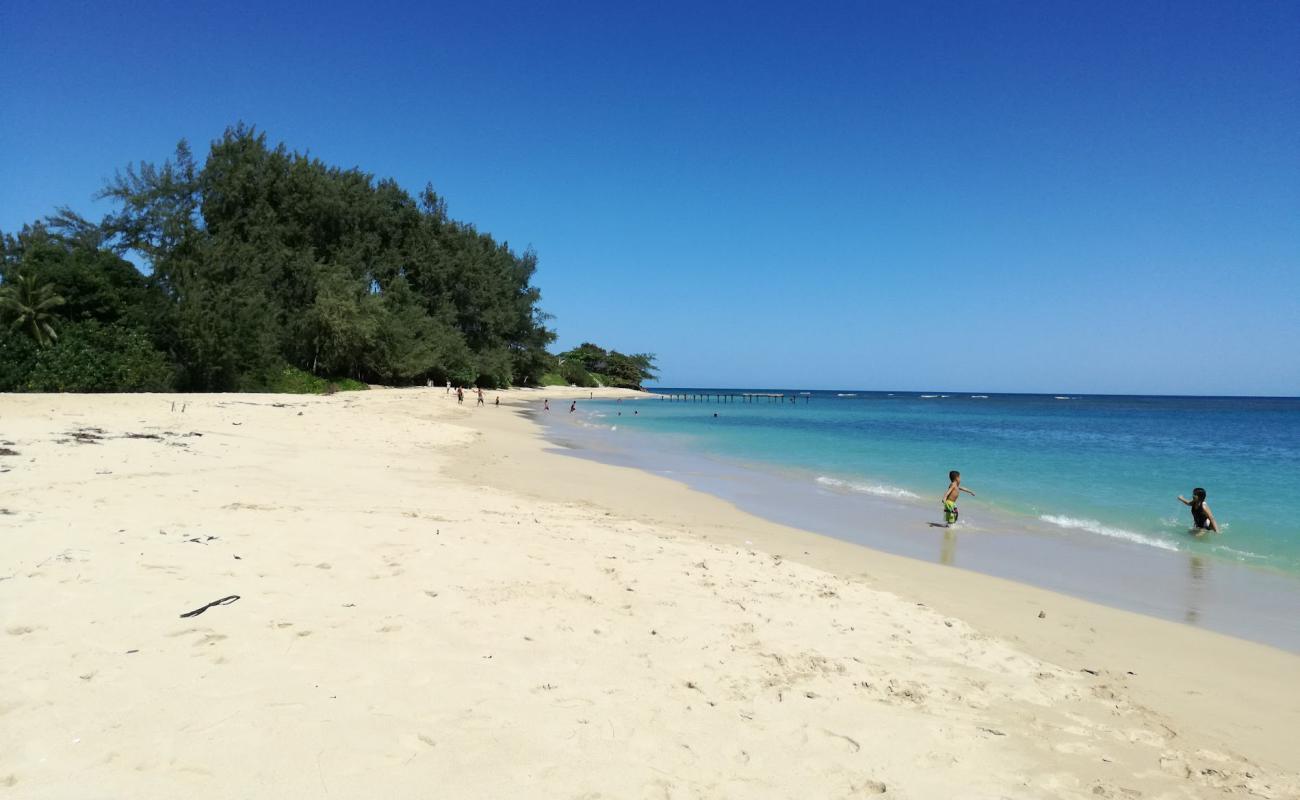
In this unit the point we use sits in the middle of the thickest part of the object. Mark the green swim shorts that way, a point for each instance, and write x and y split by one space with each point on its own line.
949 511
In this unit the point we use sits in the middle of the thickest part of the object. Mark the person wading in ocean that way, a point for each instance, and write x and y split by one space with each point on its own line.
1202 517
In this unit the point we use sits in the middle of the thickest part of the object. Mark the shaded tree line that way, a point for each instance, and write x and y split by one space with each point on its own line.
264 265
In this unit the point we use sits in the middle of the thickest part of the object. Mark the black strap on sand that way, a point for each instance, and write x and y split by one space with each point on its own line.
225 601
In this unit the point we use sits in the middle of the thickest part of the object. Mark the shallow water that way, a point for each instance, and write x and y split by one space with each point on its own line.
1076 494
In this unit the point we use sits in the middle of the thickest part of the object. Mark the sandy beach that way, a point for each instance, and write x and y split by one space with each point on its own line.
433 603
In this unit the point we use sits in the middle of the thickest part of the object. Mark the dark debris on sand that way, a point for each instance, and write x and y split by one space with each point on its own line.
87 435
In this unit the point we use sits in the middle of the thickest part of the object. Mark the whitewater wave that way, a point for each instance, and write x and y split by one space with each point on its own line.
928 396
865 488
980 396
1093 526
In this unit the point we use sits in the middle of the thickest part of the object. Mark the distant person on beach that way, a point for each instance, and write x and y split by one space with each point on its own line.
573 406
448 387
496 401
546 405
955 489
460 394
480 396
1202 518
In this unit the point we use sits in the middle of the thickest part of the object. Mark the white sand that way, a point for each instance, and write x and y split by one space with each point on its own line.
433 606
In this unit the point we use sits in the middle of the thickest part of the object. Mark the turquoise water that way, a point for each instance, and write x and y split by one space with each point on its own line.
1091 466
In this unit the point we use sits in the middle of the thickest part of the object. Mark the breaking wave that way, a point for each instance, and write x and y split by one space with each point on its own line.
1093 526
866 488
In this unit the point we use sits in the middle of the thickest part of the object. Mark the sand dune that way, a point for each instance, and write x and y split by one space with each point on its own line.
431 605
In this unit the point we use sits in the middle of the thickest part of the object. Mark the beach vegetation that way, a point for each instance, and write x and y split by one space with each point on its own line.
17 357
591 365
259 262
263 269
291 380
89 357
28 305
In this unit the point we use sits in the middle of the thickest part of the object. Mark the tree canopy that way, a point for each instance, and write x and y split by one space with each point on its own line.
261 260
592 365
268 269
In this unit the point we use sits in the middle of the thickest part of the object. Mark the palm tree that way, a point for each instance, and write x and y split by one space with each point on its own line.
29 306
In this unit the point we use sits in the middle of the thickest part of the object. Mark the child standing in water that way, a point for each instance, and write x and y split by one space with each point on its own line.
955 489
1202 519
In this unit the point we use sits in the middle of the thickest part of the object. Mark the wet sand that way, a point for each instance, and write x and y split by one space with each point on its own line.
1238 599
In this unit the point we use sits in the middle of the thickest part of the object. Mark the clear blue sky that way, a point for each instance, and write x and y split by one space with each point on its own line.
999 196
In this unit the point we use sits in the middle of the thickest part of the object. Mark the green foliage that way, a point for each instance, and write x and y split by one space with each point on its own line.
590 365
574 374
272 257
268 269
349 385
95 284
91 357
27 305
291 380
17 357
552 379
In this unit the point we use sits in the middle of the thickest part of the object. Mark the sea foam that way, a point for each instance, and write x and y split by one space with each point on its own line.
865 488
1093 526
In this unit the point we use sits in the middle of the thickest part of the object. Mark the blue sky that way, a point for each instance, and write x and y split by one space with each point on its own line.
999 196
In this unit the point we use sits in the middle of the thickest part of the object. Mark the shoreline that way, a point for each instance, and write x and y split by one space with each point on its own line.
429 596
1106 466
1253 602
1170 658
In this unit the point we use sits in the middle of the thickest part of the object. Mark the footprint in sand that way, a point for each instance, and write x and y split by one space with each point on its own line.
20 630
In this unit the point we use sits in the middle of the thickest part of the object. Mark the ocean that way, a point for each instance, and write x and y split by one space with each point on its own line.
1100 474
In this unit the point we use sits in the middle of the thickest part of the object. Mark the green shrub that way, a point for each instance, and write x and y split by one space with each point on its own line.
17 357
572 372
90 357
291 380
552 379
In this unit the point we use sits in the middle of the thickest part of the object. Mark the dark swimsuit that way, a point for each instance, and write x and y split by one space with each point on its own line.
1199 518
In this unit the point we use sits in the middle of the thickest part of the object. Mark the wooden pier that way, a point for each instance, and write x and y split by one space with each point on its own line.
731 397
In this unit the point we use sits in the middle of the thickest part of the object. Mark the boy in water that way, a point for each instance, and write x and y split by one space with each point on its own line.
955 489
1202 519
